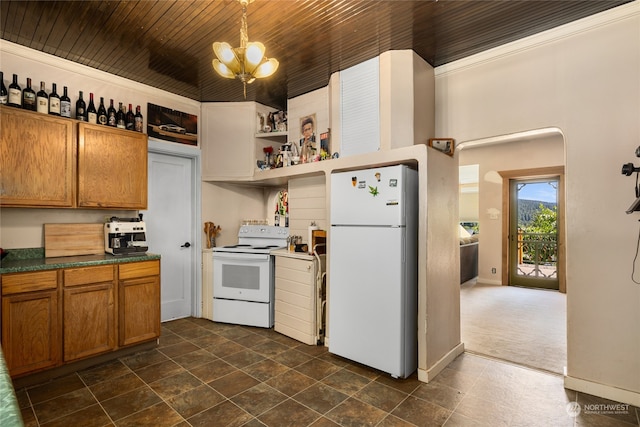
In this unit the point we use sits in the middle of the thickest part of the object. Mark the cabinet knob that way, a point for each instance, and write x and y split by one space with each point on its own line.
308 267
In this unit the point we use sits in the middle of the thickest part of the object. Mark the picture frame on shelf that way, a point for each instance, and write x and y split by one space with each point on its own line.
444 145
325 145
308 147
274 121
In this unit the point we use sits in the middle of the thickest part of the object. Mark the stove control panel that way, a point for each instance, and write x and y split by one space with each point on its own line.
263 231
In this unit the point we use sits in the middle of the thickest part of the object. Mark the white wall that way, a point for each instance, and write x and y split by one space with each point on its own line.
315 102
22 228
307 203
584 79
227 205
40 66
491 160
407 104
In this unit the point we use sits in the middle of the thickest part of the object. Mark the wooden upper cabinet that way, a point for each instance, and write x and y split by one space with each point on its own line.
112 168
37 159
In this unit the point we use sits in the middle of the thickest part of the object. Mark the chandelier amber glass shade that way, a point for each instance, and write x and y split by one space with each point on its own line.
245 63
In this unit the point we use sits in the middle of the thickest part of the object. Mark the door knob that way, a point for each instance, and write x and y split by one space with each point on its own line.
186 245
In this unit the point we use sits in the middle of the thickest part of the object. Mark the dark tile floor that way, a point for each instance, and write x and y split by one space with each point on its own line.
212 374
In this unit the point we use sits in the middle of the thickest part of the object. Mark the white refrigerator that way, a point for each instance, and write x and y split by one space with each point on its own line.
373 271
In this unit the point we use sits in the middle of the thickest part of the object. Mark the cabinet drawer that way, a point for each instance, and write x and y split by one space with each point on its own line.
86 275
139 269
294 264
16 283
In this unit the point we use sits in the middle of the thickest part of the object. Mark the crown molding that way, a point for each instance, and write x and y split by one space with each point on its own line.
616 14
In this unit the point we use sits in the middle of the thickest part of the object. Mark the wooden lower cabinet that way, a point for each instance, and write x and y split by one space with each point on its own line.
139 300
89 313
31 321
54 317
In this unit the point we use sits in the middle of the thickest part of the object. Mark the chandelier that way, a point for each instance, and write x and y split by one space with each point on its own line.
245 63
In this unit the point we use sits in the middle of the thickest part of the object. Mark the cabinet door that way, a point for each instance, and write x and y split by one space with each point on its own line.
112 168
295 299
37 159
139 302
30 324
89 312
228 141
30 331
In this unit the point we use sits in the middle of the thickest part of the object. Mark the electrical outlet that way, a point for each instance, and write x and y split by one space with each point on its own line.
493 270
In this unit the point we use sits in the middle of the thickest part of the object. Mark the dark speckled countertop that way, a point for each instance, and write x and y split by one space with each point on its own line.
32 259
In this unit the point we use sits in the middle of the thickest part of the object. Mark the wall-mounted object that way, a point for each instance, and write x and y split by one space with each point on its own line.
445 145
172 125
628 169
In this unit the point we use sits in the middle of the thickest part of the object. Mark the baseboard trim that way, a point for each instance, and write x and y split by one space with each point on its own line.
427 375
489 281
602 390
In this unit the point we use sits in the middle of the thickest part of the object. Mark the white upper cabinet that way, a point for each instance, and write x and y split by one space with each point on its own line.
228 140
231 146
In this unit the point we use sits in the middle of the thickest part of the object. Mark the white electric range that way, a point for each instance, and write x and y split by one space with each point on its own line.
244 275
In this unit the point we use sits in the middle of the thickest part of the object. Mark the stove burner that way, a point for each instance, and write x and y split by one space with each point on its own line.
263 247
236 246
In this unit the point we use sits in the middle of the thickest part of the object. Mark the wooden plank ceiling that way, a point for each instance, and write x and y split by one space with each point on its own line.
167 44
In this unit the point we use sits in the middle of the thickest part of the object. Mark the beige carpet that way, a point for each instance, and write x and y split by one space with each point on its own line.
520 325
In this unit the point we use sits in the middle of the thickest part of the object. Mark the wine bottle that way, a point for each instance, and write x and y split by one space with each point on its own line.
65 104
102 113
15 93
130 119
3 90
29 97
138 119
81 109
42 100
92 114
54 101
120 117
111 115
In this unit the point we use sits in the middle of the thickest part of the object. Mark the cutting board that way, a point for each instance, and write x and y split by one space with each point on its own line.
73 239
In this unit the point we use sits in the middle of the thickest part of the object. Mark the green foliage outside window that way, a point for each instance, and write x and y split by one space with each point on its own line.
539 237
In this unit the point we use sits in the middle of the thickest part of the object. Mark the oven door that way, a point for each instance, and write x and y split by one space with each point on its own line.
242 276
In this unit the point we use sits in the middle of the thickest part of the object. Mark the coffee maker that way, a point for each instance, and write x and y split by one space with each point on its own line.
125 236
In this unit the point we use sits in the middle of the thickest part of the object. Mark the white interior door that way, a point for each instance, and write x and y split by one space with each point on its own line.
169 221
